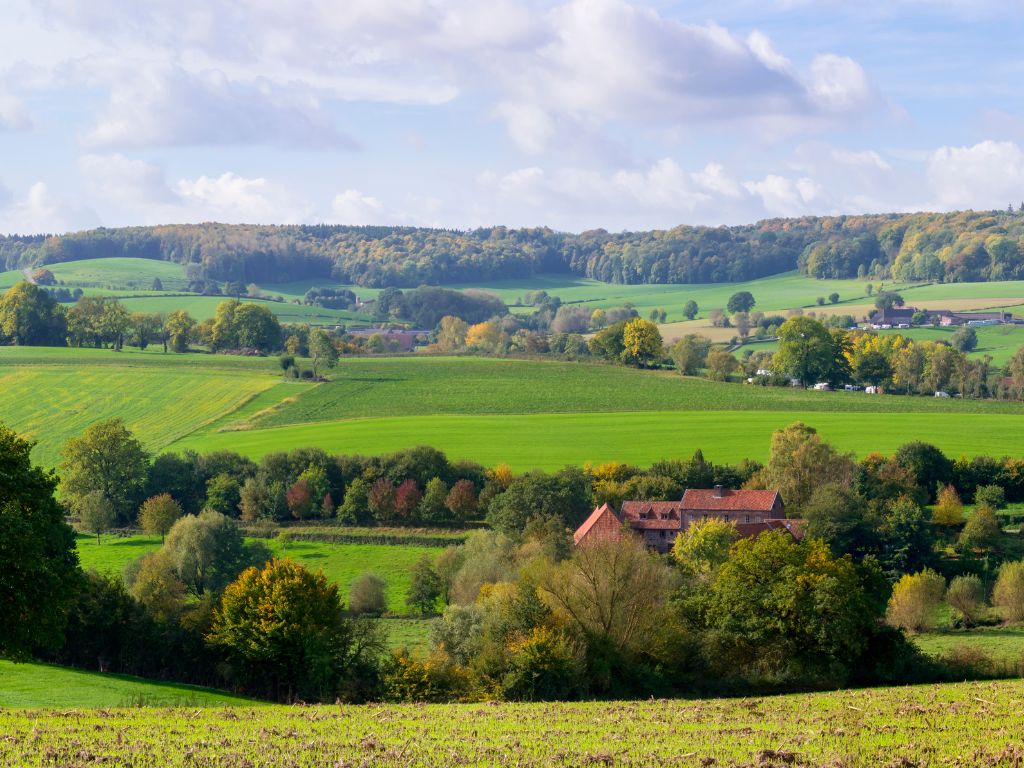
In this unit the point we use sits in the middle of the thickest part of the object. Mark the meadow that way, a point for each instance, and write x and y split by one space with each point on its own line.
1003 644
934 725
35 685
340 563
527 413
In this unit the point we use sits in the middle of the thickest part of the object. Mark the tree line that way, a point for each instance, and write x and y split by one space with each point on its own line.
949 247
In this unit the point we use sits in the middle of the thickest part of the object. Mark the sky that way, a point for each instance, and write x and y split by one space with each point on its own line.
577 115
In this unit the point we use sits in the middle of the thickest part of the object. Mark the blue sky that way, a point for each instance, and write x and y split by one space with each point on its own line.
460 113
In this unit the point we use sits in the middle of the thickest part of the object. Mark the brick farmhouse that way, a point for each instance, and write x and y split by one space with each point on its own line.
659 522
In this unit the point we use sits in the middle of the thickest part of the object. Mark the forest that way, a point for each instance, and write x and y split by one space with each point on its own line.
963 246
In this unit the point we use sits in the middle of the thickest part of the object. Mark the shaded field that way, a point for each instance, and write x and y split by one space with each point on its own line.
340 563
550 441
1005 644
940 725
35 685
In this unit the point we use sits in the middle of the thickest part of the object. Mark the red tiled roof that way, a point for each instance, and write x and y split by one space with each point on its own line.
652 515
753 530
600 514
701 499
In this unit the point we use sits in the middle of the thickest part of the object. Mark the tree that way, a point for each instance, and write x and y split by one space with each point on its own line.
223 494
833 298
432 506
29 316
424 588
355 507
690 354
964 339
179 328
451 334
461 500
915 601
641 342
948 510
381 499
778 607
1008 594
886 300
872 367
407 499
839 516
966 596
982 530
158 513
742 301
703 546
799 462
720 364
991 496
39 573
206 552
95 513
322 351
690 309
806 350
906 536
564 496
257 327
106 458
486 336
282 632
367 595
930 466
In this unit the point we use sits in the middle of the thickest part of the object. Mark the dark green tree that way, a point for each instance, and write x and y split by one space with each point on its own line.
742 301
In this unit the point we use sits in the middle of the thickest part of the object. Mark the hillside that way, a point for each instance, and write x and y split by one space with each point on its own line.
937 725
950 247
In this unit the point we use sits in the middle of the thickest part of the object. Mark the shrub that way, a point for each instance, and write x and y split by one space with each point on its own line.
542 667
914 601
966 596
366 595
1008 594
948 508
990 495
982 530
158 514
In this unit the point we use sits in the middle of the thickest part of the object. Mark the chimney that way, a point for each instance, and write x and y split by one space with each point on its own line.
718 491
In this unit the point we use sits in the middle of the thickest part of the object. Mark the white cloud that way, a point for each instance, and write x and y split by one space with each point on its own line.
13 114
118 178
169 106
236 199
986 175
838 84
42 211
783 196
353 207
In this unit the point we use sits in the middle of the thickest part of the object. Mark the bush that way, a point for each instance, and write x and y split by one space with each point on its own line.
1008 595
543 667
982 530
915 600
966 596
991 496
366 595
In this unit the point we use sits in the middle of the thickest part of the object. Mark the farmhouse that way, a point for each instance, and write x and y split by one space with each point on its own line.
659 522
897 317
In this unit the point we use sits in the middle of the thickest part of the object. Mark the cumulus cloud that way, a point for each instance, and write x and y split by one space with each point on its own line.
353 207
986 175
125 180
39 210
167 105
13 114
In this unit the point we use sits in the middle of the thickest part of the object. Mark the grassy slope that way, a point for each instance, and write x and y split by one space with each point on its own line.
53 402
120 273
529 413
43 685
943 725
340 563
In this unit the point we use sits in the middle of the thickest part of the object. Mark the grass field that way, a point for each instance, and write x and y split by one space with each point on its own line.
528 413
1000 342
120 273
941 725
202 307
1004 644
35 685
340 563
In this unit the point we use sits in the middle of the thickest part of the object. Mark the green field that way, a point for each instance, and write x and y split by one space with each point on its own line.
43 685
1003 644
1000 342
939 725
340 563
120 273
527 413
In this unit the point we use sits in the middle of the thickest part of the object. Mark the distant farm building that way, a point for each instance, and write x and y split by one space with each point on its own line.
400 340
659 522
900 317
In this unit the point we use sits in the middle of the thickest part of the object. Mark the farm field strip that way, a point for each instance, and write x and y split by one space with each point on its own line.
944 725
550 441
53 403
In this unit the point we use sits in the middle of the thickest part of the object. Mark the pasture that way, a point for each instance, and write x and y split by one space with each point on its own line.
44 685
119 273
937 725
1003 644
527 413
340 563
